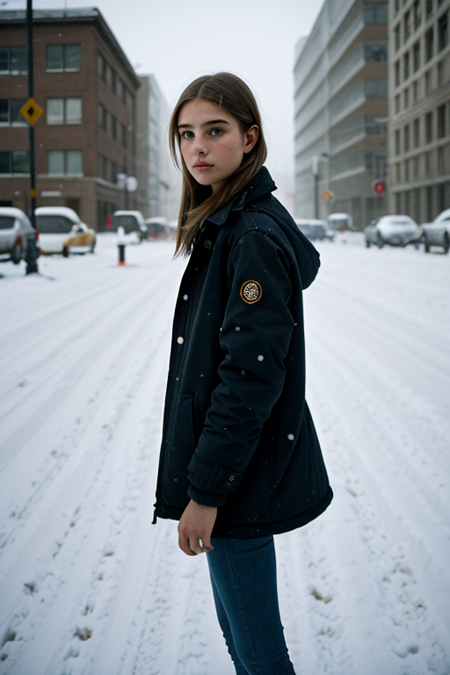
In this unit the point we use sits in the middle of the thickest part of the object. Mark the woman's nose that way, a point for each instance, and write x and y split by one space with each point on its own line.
199 146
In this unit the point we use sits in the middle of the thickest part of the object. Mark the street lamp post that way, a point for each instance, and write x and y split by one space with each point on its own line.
316 173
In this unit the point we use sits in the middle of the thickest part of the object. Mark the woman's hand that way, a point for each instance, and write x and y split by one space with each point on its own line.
195 527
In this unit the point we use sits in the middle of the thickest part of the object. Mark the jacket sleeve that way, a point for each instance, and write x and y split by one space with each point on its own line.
255 337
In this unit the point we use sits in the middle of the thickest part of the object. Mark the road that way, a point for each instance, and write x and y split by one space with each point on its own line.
89 587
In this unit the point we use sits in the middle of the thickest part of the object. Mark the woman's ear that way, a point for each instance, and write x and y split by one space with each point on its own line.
251 136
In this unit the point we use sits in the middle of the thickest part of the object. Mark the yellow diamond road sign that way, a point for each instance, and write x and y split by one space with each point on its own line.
31 111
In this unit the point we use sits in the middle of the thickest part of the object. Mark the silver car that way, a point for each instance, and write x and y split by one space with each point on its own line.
16 234
437 233
393 230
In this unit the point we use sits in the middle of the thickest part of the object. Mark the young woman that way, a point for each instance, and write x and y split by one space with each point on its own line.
240 460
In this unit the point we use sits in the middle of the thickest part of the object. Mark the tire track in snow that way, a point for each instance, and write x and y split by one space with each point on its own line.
115 418
391 500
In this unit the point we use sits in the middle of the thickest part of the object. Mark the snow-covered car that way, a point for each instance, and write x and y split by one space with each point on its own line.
133 224
393 230
340 222
314 229
62 231
437 233
16 234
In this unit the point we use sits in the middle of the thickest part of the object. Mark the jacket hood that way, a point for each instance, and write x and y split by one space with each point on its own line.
257 197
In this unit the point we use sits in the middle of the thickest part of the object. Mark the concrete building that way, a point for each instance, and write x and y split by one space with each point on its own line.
87 134
419 112
154 171
340 92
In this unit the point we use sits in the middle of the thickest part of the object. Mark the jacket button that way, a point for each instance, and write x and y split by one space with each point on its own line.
231 478
207 243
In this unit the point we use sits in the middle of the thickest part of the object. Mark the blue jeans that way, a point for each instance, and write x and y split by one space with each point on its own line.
244 583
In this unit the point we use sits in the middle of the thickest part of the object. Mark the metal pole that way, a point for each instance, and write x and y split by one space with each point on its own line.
316 196
32 253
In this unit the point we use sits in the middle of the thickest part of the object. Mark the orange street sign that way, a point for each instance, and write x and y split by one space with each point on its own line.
327 196
31 111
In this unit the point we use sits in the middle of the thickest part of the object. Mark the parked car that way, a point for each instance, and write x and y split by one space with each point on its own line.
437 233
314 229
157 228
61 231
340 222
393 230
133 223
16 234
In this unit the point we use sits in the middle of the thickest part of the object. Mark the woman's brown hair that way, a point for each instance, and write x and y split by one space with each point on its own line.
197 201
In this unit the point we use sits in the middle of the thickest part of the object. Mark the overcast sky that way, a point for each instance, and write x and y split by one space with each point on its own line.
179 40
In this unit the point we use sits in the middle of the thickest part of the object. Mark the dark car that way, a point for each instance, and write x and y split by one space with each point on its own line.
314 229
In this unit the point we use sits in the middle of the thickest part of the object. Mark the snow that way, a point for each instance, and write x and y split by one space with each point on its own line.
88 586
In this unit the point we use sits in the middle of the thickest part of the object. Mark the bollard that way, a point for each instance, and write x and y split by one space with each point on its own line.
121 246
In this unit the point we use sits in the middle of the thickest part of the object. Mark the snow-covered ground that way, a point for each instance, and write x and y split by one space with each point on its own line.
89 586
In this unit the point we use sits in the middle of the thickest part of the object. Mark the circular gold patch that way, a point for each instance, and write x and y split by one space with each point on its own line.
251 292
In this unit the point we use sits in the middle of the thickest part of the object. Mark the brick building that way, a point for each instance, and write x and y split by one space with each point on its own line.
87 134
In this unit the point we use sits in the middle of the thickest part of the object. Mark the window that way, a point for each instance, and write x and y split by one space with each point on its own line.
416 56
441 121
101 68
398 172
102 117
416 166
65 162
375 51
114 127
417 13
397 142
429 127
406 98
14 60
397 37
63 58
407 26
397 104
376 88
397 73
429 44
417 132
124 135
406 66
428 82
430 202
10 112
406 138
17 161
398 202
406 170
375 13
441 161
415 91
440 73
442 28
64 111
428 9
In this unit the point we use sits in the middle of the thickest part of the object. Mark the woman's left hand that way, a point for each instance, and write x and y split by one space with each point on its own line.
195 527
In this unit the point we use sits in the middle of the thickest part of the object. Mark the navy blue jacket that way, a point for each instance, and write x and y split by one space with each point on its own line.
237 431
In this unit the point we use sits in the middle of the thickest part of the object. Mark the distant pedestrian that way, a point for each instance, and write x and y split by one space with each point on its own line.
240 460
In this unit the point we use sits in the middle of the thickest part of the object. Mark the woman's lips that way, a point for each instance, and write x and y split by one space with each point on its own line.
203 167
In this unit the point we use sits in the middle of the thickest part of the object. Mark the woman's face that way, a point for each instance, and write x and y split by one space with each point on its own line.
212 142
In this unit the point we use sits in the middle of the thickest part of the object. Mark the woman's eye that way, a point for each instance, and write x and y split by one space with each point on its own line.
216 131
187 134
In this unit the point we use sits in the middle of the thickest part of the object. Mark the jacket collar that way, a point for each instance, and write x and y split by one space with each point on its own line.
260 185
